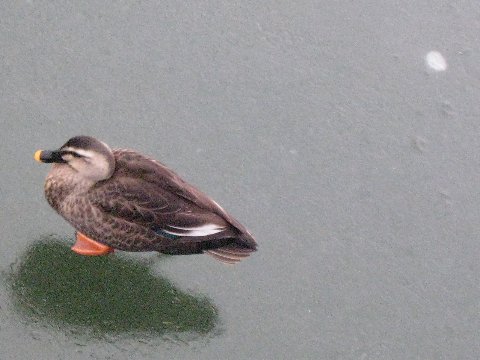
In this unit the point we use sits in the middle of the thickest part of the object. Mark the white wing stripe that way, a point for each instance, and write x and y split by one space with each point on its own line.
204 230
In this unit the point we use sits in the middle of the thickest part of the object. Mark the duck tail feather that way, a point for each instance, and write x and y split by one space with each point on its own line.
230 254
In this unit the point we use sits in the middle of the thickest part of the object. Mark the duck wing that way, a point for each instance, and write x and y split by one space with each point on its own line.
152 171
140 202
145 192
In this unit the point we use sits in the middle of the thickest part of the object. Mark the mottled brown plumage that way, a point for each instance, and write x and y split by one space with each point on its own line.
130 202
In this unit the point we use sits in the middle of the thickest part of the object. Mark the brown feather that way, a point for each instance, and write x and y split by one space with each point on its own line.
144 206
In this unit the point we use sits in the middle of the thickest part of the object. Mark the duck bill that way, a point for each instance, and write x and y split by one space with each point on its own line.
49 156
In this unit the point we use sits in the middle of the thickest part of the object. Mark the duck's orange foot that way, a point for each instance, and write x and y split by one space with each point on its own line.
86 246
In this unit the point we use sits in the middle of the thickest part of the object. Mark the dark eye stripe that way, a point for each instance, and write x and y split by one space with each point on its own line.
73 153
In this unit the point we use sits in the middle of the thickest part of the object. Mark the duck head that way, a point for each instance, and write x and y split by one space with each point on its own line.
90 158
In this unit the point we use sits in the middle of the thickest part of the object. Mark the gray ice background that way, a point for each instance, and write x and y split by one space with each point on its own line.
318 124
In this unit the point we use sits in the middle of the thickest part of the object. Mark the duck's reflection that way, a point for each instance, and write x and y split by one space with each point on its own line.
105 295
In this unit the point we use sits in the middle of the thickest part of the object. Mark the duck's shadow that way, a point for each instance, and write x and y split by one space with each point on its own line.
106 295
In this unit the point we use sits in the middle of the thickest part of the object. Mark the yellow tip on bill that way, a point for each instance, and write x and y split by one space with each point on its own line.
37 155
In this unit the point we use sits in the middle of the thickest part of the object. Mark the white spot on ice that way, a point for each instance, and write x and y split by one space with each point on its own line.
435 61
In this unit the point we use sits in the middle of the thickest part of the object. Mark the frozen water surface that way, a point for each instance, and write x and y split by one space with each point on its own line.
311 122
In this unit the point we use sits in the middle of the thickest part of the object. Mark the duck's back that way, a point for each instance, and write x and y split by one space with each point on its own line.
145 192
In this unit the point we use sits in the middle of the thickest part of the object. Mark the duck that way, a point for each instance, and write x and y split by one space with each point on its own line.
120 199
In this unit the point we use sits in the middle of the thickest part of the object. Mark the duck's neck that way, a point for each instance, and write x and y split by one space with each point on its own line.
61 182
